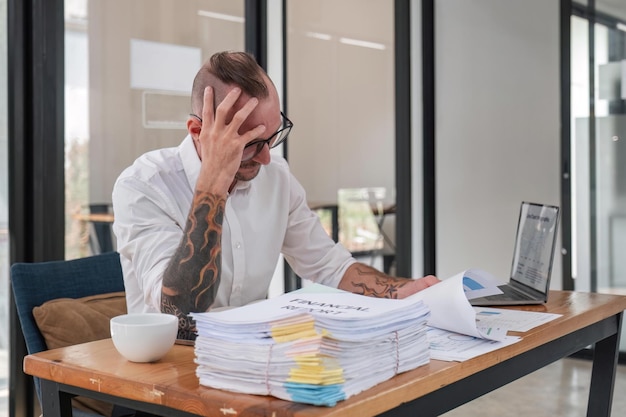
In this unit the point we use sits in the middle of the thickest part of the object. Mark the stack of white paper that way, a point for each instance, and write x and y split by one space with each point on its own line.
311 348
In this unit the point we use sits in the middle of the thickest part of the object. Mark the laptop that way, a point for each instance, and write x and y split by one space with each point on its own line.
533 256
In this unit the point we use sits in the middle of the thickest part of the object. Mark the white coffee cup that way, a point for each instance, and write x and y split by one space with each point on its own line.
144 337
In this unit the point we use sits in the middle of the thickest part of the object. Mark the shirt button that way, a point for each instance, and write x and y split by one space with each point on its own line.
237 288
238 245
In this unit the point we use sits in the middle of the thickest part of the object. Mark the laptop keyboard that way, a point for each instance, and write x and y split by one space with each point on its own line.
509 293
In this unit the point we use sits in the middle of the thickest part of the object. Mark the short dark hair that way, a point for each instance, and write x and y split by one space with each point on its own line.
225 69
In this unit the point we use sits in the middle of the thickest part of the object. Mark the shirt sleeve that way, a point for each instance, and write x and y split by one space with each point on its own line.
148 230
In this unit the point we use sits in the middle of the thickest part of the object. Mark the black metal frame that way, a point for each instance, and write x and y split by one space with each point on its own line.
402 42
56 400
566 196
36 156
291 280
256 30
428 144
593 248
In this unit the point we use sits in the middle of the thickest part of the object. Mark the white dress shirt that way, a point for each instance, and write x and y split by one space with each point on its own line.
264 217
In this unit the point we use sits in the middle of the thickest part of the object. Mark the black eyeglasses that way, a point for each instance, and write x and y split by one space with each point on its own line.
255 147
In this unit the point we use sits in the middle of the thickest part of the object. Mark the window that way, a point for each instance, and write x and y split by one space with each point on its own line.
340 83
598 148
129 67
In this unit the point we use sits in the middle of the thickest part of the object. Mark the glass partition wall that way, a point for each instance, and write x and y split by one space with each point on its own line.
129 66
598 147
340 95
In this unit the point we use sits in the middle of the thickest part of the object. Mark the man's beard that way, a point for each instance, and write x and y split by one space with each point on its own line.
247 171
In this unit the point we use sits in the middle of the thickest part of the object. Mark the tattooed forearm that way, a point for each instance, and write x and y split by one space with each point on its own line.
191 279
186 326
365 280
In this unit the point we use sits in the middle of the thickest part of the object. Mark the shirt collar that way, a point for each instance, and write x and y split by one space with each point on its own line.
191 161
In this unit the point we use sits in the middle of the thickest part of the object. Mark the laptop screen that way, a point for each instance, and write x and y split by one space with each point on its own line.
534 245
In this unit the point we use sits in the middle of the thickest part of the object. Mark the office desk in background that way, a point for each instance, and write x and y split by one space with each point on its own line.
95 229
379 211
170 386
94 217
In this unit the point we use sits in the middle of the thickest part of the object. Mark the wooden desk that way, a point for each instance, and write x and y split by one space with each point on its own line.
170 387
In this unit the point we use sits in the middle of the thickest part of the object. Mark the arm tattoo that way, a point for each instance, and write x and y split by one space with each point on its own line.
193 275
374 283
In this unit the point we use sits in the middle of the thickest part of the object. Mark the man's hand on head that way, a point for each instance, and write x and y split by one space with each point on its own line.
219 144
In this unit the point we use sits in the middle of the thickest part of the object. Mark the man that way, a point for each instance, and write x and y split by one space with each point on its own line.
202 225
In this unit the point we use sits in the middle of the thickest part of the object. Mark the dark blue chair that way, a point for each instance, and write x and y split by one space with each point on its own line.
35 283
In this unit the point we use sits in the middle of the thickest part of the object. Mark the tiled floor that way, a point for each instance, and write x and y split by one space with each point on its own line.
560 389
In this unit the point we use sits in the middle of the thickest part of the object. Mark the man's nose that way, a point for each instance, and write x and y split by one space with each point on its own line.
264 157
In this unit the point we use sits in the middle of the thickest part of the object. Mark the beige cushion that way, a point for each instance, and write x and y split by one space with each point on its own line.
68 321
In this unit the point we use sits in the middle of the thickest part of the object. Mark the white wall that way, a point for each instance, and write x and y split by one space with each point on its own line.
497 126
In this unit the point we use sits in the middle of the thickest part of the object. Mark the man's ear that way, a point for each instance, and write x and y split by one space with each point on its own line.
194 126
